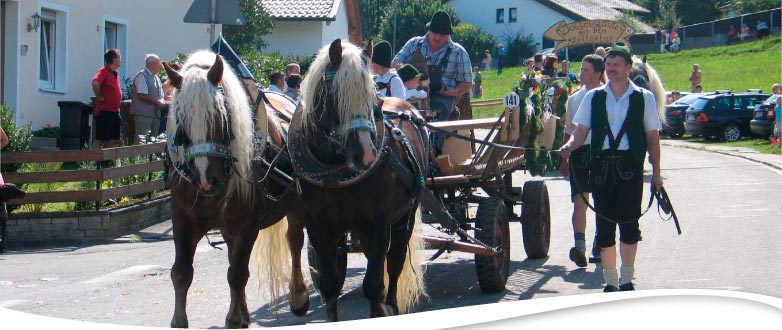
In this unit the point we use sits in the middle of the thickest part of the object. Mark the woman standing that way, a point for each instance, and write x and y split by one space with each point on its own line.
487 60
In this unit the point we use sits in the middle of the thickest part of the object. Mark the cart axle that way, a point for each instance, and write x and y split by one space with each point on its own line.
453 245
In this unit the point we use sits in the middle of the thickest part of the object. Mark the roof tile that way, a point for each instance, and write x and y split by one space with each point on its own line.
301 9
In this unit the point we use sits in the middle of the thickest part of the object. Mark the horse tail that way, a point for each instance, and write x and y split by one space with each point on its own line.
411 288
273 259
658 90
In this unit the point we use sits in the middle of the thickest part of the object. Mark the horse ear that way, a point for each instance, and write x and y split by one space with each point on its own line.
644 59
173 75
370 47
335 53
215 74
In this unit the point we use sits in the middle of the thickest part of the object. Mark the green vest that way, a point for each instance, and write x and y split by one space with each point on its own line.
634 122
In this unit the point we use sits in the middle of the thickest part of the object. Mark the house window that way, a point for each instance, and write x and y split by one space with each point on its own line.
501 15
47 63
512 15
110 37
53 48
115 35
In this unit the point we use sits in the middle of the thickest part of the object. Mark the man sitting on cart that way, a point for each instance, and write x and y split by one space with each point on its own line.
444 63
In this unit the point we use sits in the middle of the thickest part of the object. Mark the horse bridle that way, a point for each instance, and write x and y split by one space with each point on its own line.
334 138
205 148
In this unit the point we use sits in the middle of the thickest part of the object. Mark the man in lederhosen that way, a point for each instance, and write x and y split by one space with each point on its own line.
624 124
446 65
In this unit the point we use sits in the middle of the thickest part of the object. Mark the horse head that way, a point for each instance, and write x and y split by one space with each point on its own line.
209 116
340 120
645 76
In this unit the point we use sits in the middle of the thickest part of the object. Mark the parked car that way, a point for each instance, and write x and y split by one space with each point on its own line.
763 117
675 115
724 115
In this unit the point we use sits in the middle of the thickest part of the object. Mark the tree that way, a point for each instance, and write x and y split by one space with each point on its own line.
697 11
474 40
753 6
667 19
249 36
371 12
411 19
688 11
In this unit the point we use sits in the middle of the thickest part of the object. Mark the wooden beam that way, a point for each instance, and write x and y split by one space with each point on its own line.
130 170
57 197
465 124
133 189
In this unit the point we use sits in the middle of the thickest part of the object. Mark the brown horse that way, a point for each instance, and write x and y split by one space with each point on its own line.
356 176
215 183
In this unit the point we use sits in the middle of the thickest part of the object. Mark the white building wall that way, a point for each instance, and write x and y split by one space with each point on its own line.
153 27
294 38
337 28
532 17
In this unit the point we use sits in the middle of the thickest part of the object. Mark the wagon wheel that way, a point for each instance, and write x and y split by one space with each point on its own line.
535 219
492 229
342 263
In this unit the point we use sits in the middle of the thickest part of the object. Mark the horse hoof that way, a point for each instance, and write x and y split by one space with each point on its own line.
385 310
179 323
237 325
301 311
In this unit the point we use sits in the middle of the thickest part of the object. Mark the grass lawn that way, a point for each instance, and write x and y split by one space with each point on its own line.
761 145
755 64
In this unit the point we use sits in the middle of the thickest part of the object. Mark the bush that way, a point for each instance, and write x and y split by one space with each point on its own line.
411 19
262 65
48 131
519 47
474 40
19 137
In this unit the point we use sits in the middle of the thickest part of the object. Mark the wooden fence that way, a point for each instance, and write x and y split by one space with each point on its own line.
98 175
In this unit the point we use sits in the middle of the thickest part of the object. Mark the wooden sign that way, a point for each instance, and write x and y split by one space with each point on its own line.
588 32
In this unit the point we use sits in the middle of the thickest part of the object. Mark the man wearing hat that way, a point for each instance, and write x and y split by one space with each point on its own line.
386 80
624 124
448 67
411 77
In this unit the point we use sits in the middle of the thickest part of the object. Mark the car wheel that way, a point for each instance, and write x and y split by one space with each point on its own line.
731 133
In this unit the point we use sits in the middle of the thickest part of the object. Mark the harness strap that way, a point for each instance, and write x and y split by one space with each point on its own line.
211 149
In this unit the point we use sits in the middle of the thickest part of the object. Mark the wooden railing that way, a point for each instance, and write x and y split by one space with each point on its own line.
98 176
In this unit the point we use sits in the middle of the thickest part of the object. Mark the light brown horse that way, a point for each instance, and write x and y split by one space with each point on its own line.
215 183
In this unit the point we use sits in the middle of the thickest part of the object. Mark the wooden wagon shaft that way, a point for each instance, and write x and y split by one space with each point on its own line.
453 245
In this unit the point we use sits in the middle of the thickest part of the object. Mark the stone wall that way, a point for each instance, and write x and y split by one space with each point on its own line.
82 227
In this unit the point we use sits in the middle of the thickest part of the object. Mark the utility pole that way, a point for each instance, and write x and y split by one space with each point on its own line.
212 20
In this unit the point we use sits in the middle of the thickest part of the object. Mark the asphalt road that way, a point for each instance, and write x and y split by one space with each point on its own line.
729 207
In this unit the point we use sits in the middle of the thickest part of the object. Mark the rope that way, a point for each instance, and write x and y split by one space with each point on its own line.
663 203
663 200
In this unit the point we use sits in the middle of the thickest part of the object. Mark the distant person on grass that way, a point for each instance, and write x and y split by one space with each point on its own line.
695 77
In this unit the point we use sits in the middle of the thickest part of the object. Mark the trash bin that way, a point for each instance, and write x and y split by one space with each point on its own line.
74 124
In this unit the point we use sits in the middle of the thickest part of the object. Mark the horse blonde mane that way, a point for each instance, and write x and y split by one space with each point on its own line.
197 104
656 87
353 87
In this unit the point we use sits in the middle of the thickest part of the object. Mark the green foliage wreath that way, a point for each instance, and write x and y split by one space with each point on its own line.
533 93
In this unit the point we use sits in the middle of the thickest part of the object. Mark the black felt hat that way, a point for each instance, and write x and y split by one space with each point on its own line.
407 72
381 54
440 23
620 49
